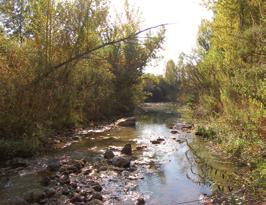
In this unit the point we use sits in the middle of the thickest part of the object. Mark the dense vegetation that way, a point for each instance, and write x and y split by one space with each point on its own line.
224 80
65 64
162 88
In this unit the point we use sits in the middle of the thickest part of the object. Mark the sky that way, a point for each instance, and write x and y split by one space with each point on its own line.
183 15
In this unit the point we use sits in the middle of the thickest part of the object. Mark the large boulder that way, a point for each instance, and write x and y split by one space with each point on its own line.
109 154
126 122
127 149
121 162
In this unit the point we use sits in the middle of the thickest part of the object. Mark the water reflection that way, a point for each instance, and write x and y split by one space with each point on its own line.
172 181
179 169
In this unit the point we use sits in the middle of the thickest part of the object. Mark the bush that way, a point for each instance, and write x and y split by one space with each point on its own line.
13 148
207 133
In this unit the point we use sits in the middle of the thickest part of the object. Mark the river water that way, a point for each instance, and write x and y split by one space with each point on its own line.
179 169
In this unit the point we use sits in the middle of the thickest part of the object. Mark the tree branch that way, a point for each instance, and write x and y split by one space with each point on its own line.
88 51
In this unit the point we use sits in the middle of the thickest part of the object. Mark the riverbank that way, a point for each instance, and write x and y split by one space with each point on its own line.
44 143
224 140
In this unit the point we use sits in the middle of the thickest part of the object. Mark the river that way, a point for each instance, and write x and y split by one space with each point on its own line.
178 169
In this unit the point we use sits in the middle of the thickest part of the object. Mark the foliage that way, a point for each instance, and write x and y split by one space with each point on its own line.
162 88
37 95
224 80
207 133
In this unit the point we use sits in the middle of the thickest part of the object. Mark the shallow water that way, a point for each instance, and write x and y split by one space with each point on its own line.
173 172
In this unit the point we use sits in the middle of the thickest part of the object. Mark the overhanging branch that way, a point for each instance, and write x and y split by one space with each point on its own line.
88 51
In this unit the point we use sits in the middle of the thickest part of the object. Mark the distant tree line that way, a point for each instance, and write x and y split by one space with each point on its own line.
163 88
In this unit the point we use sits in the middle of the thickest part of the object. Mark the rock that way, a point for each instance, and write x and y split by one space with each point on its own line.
174 132
78 163
65 191
53 165
171 127
140 201
75 138
76 198
97 195
17 162
18 201
126 122
127 149
179 141
64 179
121 162
61 199
95 202
109 154
132 168
34 195
73 185
86 171
45 181
50 192
157 141
68 169
102 168
139 148
187 126
151 163
183 126
73 166
95 185
97 188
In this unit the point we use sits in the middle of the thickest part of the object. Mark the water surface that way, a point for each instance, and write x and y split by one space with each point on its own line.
168 173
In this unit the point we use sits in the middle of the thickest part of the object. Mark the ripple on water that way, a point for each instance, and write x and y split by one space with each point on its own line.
167 172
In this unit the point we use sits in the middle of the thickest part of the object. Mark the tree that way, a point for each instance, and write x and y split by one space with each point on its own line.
171 72
14 15
227 79
63 64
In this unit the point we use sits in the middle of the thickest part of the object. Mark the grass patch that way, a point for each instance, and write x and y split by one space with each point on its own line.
10 148
206 133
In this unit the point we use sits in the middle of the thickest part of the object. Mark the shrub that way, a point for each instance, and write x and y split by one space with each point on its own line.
207 133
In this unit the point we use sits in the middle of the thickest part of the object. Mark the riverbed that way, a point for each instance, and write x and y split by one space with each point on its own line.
177 170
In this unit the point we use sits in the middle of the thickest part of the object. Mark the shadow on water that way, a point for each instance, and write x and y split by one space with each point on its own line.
177 170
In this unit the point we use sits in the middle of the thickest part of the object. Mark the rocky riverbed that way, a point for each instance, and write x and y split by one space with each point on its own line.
150 163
